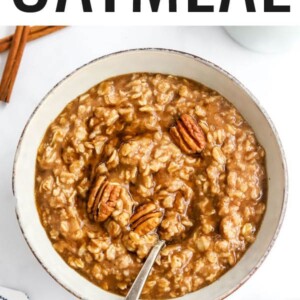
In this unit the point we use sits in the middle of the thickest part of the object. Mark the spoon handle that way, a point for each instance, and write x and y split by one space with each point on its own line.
137 287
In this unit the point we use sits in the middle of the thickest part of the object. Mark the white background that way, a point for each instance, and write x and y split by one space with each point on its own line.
274 79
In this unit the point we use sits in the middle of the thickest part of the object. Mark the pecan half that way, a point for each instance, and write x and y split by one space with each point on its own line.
188 135
103 198
146 219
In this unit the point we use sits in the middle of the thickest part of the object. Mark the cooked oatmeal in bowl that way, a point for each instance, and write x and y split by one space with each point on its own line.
177 149
148 156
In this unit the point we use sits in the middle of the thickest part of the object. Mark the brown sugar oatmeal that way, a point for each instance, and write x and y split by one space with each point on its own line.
146 156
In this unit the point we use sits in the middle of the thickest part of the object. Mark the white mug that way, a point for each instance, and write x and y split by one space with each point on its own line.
266 39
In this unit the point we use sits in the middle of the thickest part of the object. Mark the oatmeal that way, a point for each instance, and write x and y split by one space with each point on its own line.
143 157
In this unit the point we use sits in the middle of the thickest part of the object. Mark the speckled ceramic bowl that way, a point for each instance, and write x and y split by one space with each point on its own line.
161 61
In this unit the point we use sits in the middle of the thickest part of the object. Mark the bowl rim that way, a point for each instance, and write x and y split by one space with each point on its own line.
209 64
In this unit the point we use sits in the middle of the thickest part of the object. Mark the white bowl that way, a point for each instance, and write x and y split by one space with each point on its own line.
266 39
154 61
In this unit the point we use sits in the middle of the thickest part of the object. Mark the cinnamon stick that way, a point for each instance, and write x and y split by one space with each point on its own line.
13 62
5 42
44 32
10 61
36 32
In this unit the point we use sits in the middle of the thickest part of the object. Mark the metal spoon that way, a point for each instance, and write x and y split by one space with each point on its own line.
137 287
8 294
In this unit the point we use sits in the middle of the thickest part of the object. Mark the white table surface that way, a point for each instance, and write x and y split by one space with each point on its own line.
274 79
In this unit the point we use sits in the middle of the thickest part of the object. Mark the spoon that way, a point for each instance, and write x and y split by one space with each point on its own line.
137 287
8 294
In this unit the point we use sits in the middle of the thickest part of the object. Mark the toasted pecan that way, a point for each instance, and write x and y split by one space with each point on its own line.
146 219
103 198
188 135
